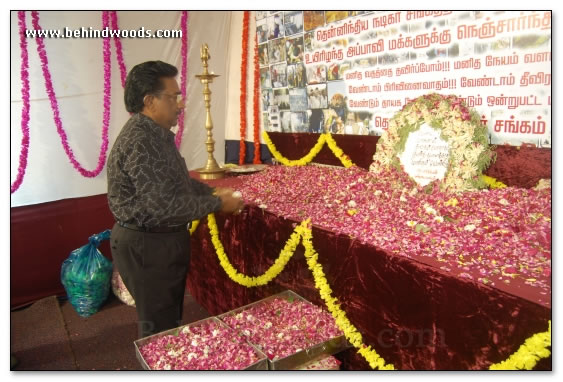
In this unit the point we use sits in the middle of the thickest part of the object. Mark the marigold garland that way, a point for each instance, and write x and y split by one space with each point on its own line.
492 182
194 226
321 283
528 355
323 138
249 281
243 76
256 103
337 151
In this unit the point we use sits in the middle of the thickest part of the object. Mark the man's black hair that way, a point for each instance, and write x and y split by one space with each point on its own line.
144 79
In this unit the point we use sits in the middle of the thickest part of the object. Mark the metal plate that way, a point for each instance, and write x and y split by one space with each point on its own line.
261 364
247 169
325 348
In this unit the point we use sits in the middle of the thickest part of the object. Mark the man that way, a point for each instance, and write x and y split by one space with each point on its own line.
153 199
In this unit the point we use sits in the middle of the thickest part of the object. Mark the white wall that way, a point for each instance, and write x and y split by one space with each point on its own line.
76 66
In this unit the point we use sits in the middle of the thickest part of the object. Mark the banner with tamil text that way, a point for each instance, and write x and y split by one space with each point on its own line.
349 72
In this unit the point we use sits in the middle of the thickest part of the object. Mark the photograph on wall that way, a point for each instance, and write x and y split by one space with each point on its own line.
336 70
316 121
262 31
316 74
278 75
317 96
294 49
275 26
276 51
337 112
298 99
332 16
267 99
530 41
263 54
313 19
265 122
299 122
281 98
261 14
265 79
296 77
274 118
357 123
308 41
293 22
285 119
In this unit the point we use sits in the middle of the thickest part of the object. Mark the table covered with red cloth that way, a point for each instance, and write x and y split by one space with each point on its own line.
414 316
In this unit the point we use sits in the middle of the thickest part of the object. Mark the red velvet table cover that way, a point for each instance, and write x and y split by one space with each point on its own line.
414 316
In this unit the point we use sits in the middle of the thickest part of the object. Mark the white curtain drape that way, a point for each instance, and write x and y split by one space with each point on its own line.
76 66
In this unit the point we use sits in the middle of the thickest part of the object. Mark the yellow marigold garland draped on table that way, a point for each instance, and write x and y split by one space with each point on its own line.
528 354
323 138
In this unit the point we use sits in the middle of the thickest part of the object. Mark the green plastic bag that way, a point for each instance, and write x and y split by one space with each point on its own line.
86 276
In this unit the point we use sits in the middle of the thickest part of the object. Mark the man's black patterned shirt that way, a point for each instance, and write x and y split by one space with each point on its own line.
148 180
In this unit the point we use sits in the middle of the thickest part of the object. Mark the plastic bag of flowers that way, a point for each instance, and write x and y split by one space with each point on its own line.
86 275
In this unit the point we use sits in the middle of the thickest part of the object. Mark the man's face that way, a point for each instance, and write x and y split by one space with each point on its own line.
168 103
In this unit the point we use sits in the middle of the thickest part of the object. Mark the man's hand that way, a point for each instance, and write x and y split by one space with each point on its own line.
230 204
219 191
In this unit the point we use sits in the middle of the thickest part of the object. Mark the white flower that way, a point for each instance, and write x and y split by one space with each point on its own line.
186 330
246 333
194 343
191 355
351 204
378 192
429 210
413 192
280 335
268 325
439 219
249 317
402 198
167 367
469 227
215 332
411 223
504 202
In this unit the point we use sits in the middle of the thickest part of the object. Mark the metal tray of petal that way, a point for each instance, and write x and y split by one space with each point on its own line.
299 358
261 364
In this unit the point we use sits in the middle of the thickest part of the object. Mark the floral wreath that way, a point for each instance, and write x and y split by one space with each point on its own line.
460 127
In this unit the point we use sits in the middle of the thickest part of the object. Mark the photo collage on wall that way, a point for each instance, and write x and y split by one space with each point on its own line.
297 98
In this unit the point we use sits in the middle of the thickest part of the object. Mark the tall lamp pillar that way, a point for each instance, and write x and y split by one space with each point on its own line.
211 169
